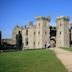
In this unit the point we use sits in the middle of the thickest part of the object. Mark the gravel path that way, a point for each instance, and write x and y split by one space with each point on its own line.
65 57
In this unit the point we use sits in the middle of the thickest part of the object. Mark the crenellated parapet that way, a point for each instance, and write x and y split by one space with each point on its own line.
64 18
43 18
62 35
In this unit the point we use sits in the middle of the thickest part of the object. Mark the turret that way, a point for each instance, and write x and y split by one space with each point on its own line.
62 35
42 31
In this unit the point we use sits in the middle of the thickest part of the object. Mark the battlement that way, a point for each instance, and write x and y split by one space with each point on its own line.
65 18
43 18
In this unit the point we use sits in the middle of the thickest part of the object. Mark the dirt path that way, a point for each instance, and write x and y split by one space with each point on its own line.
65 57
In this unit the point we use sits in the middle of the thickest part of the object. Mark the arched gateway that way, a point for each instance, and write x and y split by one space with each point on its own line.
52 41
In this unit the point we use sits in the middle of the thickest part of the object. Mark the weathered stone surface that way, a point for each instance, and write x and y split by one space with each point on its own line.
62 36
38 35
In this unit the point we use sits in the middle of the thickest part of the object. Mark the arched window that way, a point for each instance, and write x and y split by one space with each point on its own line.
34 32
38 43
60 32
39 24
39 32
27 32
45 32
60 24
26 41
34 43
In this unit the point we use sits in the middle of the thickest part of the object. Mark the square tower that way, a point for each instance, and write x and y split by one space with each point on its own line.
42 31
62 35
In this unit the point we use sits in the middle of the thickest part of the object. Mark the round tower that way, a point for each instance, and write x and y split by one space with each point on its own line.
62 35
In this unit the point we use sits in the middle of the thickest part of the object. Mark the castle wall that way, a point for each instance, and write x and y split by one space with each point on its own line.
37 36
29 36
71 30
71 35
32 37
24 37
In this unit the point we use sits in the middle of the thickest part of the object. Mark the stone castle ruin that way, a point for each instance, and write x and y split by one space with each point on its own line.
41 34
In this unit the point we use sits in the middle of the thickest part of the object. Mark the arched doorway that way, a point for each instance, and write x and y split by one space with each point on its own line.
52 42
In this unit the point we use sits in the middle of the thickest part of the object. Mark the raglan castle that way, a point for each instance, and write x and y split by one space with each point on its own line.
41 33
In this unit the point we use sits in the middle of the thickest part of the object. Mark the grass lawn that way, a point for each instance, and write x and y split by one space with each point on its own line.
30 61
68 49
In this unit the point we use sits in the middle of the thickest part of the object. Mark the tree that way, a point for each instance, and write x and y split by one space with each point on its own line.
50 27
0 40
19 43
0 37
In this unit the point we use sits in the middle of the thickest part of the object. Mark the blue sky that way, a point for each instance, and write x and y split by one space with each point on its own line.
20 12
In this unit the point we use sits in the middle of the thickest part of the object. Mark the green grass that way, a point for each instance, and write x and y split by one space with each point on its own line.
68 49
30 61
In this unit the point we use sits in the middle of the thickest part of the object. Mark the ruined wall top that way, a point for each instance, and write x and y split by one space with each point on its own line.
65 18
43 18
30 23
